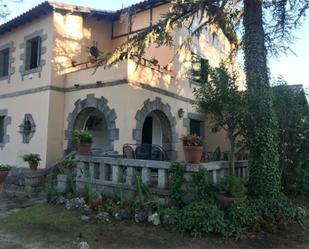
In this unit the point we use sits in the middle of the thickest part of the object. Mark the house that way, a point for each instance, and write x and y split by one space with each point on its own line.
49 85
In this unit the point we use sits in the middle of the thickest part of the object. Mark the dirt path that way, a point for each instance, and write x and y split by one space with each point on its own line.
50 234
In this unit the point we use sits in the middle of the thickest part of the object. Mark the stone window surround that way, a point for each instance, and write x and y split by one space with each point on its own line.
7 121
196 116
27 117
12 49
43 49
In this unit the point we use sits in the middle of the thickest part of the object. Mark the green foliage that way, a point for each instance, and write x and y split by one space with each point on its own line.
82 136
68 162
32 158
292 111
191 140
143 196
225 105
200 69
198 218
233 186
5 167
120 199
50 192
72 185
90 193
201 186
177 171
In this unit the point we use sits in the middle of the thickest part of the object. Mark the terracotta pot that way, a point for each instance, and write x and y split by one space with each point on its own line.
33 166
3 175
67 171
193 154
226 201
84 149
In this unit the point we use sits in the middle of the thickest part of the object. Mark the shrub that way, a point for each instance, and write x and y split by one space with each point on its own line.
191 140
201 186
198 218
32 158
233 186
4 167
82 136
68 163
177 171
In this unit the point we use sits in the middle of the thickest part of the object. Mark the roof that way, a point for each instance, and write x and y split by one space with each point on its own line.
48 6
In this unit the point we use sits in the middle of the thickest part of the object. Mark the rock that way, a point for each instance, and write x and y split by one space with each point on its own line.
165 219
140 216
60 200
85 218
86 208
83 245
68 205
103 216
154 219
122 215
78 202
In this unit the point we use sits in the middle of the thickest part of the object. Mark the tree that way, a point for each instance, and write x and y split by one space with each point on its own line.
292 112
221 100
285 15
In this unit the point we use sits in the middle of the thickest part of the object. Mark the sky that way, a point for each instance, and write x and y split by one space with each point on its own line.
293 67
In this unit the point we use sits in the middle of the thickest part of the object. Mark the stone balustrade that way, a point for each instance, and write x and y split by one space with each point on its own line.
108 175
220 169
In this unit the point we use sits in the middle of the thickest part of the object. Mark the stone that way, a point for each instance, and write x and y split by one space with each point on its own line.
103 216
165 219
140 216
68 204
78 202
60 200
83 245
85 218
122 215
154 219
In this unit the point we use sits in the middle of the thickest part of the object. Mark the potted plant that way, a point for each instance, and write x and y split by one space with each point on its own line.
193 148
232 189
4 171
33 160
83 139
67 165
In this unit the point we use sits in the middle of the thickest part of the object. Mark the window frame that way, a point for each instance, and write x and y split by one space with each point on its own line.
29 53
25 68
10 69
6 122
203 63
27 136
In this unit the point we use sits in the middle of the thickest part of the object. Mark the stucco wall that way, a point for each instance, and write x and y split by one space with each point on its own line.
36 104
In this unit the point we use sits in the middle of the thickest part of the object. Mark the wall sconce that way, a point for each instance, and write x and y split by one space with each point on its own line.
181 113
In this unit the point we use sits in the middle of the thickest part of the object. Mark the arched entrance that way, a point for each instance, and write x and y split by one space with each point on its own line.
156 125
93 120
93 114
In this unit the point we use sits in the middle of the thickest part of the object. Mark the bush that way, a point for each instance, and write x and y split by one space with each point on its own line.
68 163
4 167
177 171
81 136
198 218
233 186
32 158
201 186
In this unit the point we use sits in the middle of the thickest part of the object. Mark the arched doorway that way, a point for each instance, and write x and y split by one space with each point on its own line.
156 125
94 114
93 120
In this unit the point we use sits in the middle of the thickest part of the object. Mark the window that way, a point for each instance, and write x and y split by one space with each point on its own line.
33 53
27 128
4 62
200 68
195 127
2 129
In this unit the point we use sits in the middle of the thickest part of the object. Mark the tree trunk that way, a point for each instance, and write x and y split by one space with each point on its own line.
264 177
232 156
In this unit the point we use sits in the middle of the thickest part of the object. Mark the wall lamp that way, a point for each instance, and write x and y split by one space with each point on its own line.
181 113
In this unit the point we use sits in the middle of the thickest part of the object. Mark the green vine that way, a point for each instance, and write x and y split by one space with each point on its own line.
177 171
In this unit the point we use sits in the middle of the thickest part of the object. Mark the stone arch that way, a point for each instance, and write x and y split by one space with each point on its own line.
93 103
168 120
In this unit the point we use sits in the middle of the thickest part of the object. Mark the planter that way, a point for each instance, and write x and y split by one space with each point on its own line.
227 201
33 166
3 175
193 154
84 149
67 171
